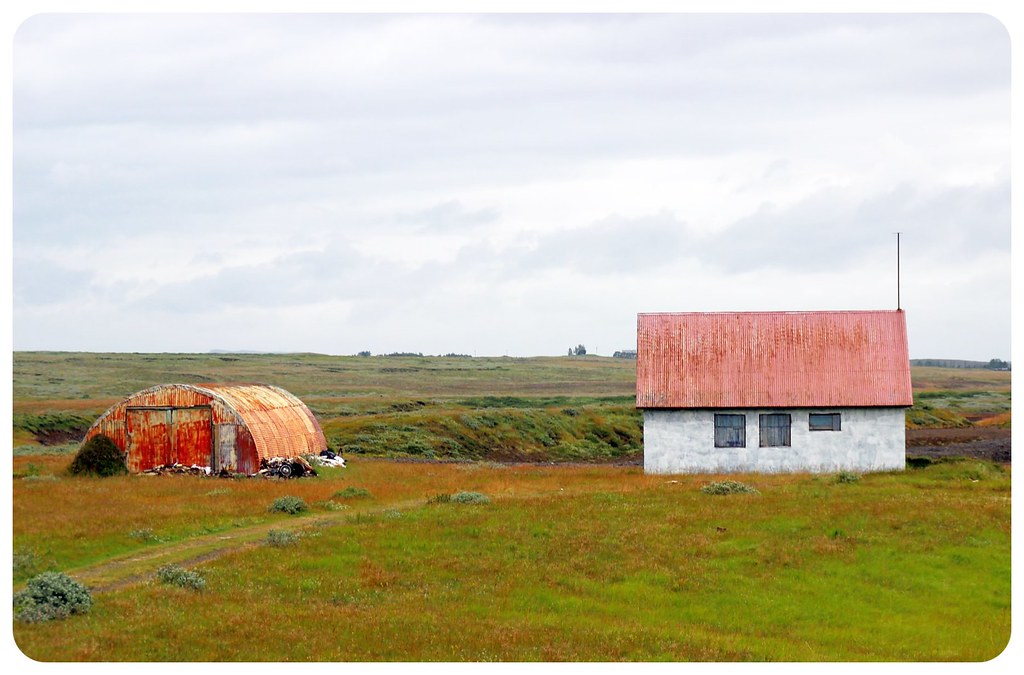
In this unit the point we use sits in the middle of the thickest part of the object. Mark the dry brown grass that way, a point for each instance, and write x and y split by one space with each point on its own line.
929 378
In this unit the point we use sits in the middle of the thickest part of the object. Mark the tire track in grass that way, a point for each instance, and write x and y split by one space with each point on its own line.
138 566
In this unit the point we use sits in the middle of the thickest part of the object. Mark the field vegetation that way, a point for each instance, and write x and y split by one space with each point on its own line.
563 409
896 566
395 558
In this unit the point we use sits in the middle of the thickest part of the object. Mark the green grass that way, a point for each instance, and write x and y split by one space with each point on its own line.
615 565
571 562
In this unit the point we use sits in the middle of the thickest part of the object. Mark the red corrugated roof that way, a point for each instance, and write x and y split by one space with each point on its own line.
772 359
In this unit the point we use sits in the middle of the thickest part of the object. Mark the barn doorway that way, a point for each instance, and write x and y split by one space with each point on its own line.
159 436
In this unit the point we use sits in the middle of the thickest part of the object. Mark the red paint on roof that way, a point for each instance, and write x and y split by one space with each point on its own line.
772 359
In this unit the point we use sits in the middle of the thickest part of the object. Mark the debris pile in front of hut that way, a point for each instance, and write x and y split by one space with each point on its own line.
285 467
329 458
273 467
193 470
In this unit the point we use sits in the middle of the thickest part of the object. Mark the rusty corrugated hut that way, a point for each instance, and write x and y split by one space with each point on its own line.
223 426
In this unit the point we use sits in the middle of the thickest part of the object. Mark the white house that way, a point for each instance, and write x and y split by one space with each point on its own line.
773 391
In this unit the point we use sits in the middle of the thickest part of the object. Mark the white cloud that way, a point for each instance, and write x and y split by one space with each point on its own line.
504 182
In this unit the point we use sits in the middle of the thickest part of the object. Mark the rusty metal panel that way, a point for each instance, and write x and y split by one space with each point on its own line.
772 359
149 438
192 432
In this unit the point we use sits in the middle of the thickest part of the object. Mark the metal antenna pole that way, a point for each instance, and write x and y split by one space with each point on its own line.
898 271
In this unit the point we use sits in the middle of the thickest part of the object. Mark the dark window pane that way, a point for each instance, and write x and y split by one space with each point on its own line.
825 421
775 430
730 431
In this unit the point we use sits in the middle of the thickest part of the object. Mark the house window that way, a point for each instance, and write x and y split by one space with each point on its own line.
775 430
825 422
730 431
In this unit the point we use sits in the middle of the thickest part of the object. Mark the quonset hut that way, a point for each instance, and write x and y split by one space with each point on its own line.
222 426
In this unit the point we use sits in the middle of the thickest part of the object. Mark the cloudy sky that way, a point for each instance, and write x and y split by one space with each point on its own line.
503 184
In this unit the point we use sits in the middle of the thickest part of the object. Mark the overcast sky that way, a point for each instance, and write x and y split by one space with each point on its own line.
503 184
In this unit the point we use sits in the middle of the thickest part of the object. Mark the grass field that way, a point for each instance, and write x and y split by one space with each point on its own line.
586 562
566 563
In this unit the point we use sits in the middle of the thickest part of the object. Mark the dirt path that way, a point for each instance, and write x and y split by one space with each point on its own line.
139 566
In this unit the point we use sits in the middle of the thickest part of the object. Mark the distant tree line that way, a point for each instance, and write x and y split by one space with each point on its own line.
449 355
578 350
992 364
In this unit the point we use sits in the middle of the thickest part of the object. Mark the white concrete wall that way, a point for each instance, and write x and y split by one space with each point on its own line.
683 441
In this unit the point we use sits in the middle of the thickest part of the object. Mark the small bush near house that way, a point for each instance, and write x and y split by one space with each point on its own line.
176 575
281 538
728 487
352 492
288 504
51 595
99 456
846 477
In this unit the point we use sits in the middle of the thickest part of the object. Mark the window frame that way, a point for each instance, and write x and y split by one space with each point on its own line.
835 425
721 441
764 439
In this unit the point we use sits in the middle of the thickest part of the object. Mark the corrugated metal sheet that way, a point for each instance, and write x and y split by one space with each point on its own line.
281 425
772 359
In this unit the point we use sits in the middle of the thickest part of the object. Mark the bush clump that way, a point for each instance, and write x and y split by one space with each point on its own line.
461 498
145 534
728 487
288 504
51 595
352 492
281 538
98 456
846 477
176 575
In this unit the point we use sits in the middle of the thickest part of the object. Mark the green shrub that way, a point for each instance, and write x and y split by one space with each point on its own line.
352 492
846 477
176 575
51 595
98 456
145 534
288 504
281 538
470 498
728 487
